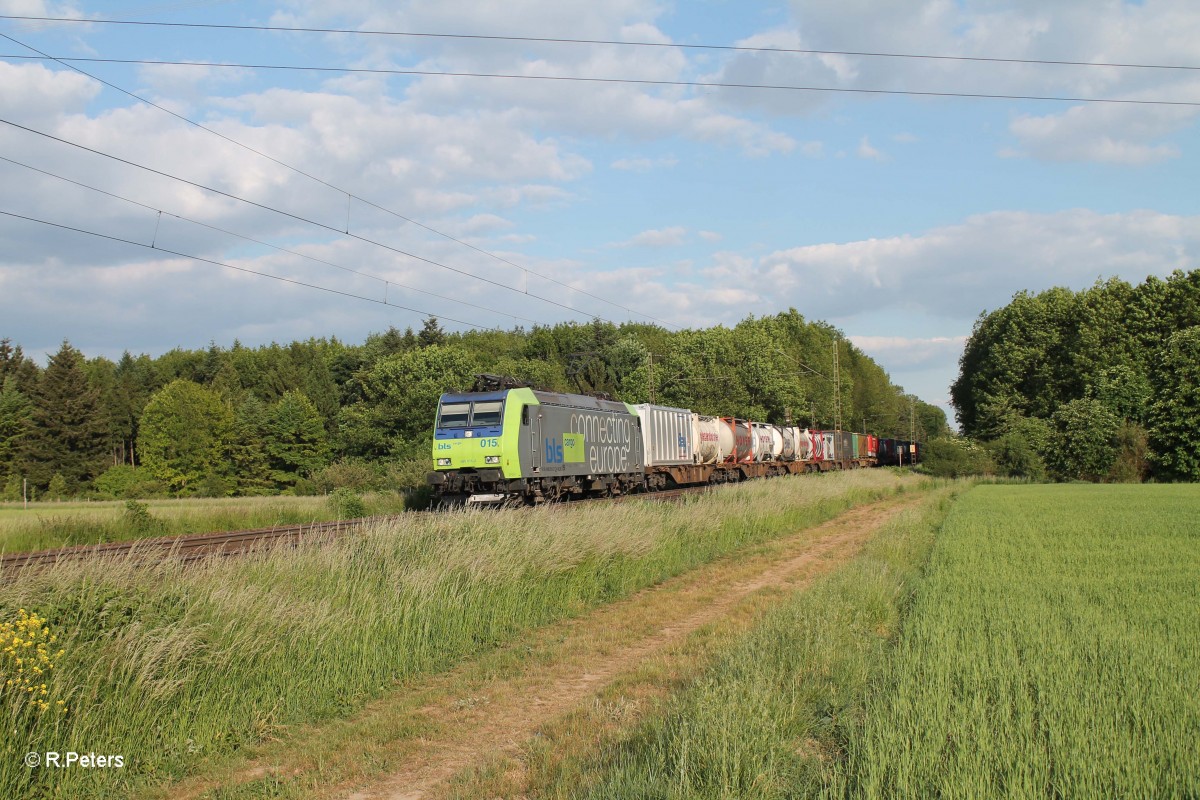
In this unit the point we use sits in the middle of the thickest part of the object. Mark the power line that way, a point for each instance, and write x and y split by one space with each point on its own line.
386 281
552 40
240 269
631 81
288 214
326 183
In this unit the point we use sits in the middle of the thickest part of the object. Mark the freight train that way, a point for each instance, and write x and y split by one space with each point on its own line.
521 445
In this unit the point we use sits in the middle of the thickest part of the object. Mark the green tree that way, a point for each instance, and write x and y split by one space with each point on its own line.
295 439
955 457
247 453
15 419
12 489
57 490
1175 413
1084 445
431 333
185 434
69 431
14 364
401 394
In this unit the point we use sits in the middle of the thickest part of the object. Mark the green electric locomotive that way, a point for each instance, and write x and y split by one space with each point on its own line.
529 446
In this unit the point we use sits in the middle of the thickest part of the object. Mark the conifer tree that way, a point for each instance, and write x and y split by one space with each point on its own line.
14 424
68 433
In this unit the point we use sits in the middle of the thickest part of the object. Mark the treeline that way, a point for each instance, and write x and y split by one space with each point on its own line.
316 415
1100 385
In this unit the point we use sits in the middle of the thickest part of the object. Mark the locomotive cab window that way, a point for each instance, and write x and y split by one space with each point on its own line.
487 412
454 415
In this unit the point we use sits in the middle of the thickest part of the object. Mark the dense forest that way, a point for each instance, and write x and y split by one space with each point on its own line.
1102 384
322 414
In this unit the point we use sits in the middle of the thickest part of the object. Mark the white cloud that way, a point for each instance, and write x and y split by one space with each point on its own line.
710 236
643 164
959 270
662 237
865 150
1110 134
902 352
1158 32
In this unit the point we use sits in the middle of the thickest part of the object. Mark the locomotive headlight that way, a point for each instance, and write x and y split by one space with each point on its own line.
443 462
491 459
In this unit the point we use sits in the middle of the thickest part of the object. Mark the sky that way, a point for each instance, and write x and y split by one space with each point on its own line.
896 216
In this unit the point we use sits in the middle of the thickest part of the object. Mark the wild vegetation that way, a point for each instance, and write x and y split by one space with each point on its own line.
171 666
1098 385
316 415
64 524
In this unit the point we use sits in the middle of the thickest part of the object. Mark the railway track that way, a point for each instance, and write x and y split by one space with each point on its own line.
195 547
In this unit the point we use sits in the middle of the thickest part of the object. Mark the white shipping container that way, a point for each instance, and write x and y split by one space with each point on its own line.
776 442
789 444
667 435
804 448
706 435
763 441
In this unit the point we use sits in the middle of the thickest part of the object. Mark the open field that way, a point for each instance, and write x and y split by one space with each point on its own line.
46 525
1053 651
179 667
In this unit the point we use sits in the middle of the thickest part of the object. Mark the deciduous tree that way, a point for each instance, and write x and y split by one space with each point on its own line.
185 433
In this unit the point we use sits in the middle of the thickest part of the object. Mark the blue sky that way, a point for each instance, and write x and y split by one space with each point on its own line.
896 218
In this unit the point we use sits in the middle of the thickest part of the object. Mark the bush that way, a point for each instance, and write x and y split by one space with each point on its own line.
344 475
137 517
347 504
57 490
12 489
125 482
1015 456
955 457
1133 451
1084 445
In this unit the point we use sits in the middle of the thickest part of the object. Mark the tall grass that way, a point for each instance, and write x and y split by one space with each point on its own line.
1053 651
49 525
762 721
170 666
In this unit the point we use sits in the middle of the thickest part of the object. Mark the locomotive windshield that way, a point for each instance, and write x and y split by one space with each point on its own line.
454 415
462 415
487 412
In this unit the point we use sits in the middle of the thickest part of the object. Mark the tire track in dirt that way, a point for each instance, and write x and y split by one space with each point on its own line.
514 708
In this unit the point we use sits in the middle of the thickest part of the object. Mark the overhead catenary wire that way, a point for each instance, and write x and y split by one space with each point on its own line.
606 80
292 281
323 182
290 215
385 281
561 40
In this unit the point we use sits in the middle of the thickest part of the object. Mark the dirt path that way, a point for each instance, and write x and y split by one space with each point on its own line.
513 709
408 744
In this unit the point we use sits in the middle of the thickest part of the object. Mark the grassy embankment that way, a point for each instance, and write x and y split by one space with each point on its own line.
1050 650
47 525
173 666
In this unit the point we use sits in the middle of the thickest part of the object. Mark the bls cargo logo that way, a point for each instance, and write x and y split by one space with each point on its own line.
569 452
